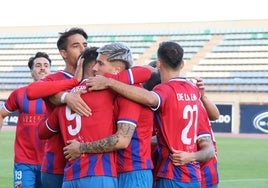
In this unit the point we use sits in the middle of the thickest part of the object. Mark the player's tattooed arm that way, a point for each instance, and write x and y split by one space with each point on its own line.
205 149
205 152
100 146
119 140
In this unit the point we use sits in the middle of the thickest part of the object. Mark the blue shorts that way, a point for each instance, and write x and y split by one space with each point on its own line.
136 179
51 180
163 183
214 186
27 175
92 181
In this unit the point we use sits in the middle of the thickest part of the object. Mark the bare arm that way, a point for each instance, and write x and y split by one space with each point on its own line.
134 93
206 151
3 114
211 108
56 98
119 140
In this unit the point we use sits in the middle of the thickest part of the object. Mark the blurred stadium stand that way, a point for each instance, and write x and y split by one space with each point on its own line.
231 56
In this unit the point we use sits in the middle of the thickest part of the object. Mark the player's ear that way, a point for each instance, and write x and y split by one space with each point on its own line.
32 74
63 54
158 64
119 68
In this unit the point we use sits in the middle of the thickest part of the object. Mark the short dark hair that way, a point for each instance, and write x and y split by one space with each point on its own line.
154 79
90 55
37 55
153 64
62 41
171 53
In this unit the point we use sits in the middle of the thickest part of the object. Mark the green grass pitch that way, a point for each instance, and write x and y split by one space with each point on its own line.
243 162
6 158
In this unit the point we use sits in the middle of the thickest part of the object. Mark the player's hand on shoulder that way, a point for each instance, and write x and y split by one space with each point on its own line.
97 82
76 103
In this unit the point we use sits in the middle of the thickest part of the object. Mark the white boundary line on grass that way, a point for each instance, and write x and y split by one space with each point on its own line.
241 180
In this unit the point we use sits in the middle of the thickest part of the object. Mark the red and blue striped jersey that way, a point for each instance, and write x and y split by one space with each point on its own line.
181 118
28 148
137 156
95 127
87 129
54 160
209 169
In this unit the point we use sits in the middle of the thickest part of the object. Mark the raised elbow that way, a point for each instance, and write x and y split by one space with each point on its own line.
213 117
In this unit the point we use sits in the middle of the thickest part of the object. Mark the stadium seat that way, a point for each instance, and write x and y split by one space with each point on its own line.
238 61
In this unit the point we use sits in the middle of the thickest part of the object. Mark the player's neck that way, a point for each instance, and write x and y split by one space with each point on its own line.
168 75
70 69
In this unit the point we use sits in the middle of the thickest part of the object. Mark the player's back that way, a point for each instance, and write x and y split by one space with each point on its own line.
87 129
178 122
178 113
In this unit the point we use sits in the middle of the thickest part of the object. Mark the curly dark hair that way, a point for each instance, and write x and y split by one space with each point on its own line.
89 54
